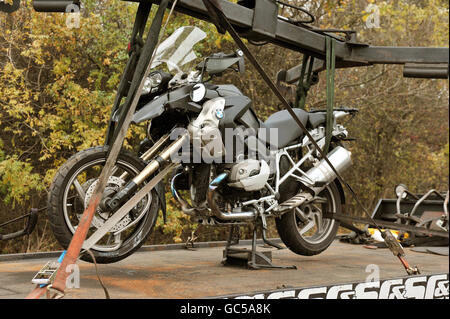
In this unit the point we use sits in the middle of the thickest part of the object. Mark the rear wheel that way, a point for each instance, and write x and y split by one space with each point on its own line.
304 230
72 189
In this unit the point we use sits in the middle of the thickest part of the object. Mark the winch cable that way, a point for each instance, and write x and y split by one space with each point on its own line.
142 69
222 23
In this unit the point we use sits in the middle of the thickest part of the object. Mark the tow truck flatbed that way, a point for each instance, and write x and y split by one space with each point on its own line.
180 273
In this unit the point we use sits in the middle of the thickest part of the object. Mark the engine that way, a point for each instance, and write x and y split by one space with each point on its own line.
250 175
204 130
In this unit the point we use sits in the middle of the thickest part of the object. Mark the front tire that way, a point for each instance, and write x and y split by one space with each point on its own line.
74 180
312 241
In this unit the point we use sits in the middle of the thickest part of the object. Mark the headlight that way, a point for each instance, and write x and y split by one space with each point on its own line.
198 92
152 83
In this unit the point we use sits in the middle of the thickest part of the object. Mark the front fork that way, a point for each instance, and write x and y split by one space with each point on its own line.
130 188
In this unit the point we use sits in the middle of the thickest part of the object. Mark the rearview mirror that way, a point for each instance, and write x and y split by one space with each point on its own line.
54 5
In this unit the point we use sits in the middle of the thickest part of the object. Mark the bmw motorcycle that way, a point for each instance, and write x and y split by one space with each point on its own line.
229 167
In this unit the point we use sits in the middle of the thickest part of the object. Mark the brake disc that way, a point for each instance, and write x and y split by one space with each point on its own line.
114 184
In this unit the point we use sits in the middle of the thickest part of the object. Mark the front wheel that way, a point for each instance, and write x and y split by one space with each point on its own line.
72 189
304 231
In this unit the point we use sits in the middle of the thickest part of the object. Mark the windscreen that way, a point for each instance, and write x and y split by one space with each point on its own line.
177 50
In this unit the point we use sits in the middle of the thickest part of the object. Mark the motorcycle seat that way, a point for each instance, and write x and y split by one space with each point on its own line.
317 118
288 130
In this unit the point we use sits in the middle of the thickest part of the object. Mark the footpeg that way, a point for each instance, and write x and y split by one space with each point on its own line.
294 202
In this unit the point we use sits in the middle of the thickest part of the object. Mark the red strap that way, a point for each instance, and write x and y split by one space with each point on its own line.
76 243
37 293
73 251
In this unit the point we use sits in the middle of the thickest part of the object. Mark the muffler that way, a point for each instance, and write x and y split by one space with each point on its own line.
317 178
321 175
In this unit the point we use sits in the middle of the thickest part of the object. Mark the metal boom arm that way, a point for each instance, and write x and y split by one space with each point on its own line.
349 53
262 23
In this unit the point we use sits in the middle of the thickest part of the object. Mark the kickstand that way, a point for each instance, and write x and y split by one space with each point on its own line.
260 260
233 239
268 242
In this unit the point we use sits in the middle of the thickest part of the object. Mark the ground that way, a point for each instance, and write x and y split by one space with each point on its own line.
181 273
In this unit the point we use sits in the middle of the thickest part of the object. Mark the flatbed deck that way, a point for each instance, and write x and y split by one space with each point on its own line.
182 273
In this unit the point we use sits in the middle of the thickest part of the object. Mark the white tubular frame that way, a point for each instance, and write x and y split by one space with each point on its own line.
271 199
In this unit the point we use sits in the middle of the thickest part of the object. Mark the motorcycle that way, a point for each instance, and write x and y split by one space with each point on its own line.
235 168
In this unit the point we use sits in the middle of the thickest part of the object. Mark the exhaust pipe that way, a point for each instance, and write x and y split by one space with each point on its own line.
189 210
317 178
216 210
185 206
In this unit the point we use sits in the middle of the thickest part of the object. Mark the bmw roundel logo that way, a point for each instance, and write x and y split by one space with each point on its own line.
219 113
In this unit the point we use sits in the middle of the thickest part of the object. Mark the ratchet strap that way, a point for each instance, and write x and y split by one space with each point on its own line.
219 18
42 289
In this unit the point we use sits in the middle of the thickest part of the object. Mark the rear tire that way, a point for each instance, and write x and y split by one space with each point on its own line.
288 229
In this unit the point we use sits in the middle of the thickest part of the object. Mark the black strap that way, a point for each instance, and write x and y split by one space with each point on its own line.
139 25
331 63
304 84
142 62
136 45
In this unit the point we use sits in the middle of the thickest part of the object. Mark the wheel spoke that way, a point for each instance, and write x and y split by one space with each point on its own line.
108 241
301 215
122 176
307 227
317 215
117 238
318 221
320 200
79 189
